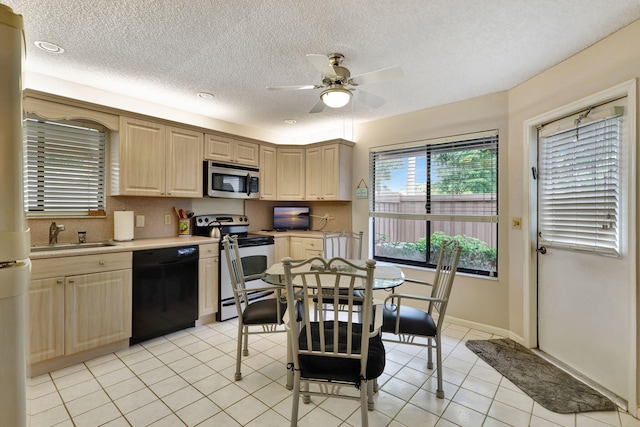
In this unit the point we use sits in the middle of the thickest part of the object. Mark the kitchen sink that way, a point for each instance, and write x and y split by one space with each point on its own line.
69 246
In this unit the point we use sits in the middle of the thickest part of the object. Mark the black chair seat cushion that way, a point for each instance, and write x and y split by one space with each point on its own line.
266 312
263 312
412 321
336 368
357 300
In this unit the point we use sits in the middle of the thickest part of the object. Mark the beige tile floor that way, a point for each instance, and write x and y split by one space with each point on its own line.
186 378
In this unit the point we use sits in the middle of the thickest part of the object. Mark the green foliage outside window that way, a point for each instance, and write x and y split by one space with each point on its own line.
475 253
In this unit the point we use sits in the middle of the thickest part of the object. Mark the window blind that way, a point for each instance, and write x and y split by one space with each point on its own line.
64 166
457 179
579 187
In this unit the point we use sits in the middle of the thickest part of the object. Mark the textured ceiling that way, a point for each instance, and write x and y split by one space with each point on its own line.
166 51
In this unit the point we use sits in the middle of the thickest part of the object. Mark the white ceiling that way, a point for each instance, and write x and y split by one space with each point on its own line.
166 51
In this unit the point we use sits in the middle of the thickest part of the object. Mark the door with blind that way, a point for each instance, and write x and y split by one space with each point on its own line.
583 276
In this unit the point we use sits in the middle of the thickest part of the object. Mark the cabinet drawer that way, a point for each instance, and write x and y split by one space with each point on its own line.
208 251
84 264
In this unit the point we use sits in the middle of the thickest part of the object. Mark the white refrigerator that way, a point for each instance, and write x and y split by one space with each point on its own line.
14 237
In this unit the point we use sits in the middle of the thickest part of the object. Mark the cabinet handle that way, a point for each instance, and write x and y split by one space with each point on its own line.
101 262
71 281
59 282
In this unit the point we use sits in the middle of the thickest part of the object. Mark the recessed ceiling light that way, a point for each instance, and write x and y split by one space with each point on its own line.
49 47
290 121
205 95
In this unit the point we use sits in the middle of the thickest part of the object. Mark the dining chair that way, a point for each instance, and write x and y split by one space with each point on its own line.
331 354
266 314
343 244
405 323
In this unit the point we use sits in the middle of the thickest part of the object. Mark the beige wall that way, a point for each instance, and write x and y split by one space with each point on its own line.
500 303
474 300
609 62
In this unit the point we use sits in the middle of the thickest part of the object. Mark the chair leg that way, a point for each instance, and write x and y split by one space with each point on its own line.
371 387
245 352
429 355
306 397
440 389
364 413
296 399
238 375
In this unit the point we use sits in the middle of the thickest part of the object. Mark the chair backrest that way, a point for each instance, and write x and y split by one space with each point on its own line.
445 273
343 244
230 244
304 280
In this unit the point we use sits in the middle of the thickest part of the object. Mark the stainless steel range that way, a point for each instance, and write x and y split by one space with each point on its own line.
256 253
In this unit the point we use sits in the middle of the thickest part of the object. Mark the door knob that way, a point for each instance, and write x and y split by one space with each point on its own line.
542 250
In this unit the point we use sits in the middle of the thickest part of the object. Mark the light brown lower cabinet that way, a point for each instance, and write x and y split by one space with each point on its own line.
305 247
208 280
83 305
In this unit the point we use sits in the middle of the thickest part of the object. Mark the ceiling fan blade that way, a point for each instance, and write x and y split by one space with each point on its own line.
377 76
373 101
321 63
299 87
318 108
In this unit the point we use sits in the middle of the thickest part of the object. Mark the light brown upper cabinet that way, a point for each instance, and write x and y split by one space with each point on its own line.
153 159
268 173
328 172
228 150
290 173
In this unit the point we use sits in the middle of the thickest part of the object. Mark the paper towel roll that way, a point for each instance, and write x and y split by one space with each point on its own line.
122 225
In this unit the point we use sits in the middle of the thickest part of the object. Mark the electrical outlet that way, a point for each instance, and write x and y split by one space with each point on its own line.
139 220
167 219
516 223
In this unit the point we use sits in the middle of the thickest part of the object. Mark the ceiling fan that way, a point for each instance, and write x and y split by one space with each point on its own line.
338 85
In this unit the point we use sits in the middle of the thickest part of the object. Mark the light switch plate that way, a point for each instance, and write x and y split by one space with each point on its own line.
139 220
167 219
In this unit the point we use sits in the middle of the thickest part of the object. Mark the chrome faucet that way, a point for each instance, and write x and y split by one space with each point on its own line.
53 232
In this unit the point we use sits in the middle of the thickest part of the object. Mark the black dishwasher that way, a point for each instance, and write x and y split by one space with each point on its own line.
165 291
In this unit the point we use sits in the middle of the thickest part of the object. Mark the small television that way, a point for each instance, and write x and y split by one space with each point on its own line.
291 218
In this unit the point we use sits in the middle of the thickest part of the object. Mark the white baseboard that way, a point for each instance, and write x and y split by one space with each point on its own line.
484 328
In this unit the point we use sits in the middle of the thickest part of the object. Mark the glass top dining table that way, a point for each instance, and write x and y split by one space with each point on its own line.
385 275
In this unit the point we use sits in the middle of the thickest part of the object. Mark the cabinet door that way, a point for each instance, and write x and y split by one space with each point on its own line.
218 148
281 248
208 285
141 158
305 247
296 248
97 309
290 173
268 173
184 163
330 181
314 173
46 319
247 153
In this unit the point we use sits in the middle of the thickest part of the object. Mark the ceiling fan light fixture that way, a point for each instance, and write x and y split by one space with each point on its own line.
336 97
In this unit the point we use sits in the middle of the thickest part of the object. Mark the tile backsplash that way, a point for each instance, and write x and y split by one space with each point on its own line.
100 229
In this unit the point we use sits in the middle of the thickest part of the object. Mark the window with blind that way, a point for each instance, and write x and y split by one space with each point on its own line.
64 167
431 191
579 182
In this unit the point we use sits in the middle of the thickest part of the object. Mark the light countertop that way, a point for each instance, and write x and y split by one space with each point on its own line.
132 245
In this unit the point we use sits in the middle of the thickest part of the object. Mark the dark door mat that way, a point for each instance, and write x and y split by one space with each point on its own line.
545 383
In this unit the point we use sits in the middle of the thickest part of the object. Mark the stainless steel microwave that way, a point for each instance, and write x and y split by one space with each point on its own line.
231 181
